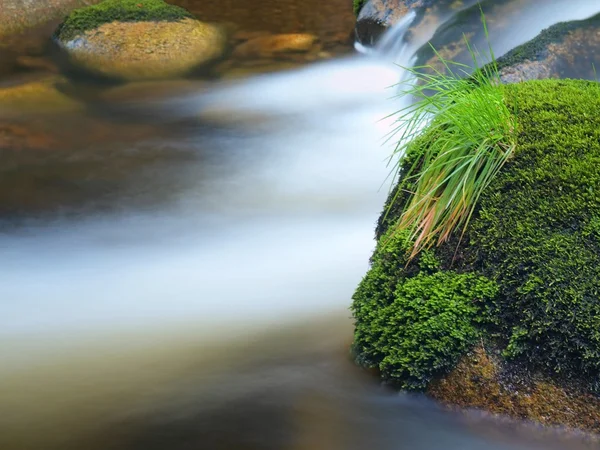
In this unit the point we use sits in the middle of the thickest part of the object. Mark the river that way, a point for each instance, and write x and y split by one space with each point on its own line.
177 272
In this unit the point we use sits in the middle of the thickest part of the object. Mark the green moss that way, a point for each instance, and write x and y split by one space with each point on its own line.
538 230
423 326
536 234
357 5
413 321
109 11
537 48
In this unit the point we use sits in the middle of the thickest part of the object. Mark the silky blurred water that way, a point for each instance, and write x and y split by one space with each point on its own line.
199 298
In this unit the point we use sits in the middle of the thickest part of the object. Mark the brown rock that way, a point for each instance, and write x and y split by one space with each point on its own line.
242 35
275 45
484 380
17 17
38 96
146 50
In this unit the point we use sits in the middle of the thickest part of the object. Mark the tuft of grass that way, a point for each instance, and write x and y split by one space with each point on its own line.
465 133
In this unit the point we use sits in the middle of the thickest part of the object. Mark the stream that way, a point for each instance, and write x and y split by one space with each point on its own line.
177 269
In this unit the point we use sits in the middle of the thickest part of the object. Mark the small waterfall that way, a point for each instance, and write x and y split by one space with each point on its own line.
393 43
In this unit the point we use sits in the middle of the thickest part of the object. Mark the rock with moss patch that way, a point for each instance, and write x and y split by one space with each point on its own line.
565 50
532 252
139 39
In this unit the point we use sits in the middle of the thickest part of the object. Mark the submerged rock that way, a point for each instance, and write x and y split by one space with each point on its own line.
565 50
137 40
40 96
270 46
523 279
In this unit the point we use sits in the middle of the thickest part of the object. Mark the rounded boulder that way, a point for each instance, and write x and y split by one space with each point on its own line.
138 40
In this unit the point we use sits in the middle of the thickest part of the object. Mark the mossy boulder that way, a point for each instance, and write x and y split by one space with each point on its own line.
531 256
138 40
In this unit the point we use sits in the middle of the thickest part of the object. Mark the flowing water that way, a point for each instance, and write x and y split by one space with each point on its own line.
176 272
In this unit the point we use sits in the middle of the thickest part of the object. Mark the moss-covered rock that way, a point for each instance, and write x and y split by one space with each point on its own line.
414 322
138 40
531 255
538 230
92 17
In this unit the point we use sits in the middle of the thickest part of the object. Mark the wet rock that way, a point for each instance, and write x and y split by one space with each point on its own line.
484 380
38 96
20 15
376 16
449 41
139 41
277 45
36 63
566 50
389 12
26 27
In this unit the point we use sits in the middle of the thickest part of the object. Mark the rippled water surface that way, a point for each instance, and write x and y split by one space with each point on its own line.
178 258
